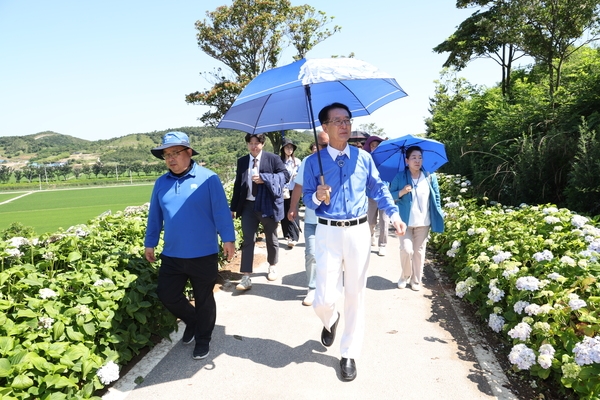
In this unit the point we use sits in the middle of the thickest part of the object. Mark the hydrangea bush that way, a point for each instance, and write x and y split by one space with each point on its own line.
75 306
532 271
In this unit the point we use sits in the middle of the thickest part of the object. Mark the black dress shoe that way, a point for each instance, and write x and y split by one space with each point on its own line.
348 369
327 337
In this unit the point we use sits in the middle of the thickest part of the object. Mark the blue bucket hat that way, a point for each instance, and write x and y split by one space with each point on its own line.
172 139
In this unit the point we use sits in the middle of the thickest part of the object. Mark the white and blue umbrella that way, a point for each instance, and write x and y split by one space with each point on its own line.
290 97
390 155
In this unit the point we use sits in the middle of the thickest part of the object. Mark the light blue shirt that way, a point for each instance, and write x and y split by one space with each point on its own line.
309 214
352 180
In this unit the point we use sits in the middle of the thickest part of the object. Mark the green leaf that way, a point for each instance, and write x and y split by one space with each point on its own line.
57 349
90 329
76 352
26 313
58 329
6 344
141 318
21 382
5 367
74 335
74 256
85 300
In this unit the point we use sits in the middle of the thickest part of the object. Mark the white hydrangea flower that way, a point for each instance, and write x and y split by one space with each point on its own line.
510 270
101 282
451 253
571 370
521 331
545 255
542 326
568 261
522 356
480 231
501 256
520 306
555 276
550 210
47 293
108 373
544 309
470 231
48 256
17 241
13 252
532 309
587 351
495 294
83 309
545 360
453 204
530 283
576 304
464 190
496 322
464 287
578 221
547 349
551 220
456 244
45 322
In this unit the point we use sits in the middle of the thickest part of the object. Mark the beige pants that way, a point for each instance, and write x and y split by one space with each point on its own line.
412 253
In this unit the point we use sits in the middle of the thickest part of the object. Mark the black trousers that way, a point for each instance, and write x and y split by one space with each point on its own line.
202 272
289 228
250 221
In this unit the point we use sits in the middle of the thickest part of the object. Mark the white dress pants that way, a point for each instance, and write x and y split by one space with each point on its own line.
342 256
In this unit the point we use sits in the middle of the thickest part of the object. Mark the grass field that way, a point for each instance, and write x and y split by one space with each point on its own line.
47 211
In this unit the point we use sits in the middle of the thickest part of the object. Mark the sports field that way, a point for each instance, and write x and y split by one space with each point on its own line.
48 210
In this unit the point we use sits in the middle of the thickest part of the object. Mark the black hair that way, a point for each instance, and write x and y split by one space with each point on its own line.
324 113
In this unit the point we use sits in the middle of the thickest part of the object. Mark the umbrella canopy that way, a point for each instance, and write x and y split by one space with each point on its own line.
358 136
390 155
290 97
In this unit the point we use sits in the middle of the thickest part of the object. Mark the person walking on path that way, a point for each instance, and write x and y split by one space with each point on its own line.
310 224
190 205
257 199
417 194
373 213
290 228
342 246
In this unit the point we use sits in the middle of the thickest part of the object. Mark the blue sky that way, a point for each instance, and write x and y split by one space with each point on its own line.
104 69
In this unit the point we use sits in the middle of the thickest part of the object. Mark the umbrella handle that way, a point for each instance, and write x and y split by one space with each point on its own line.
326 201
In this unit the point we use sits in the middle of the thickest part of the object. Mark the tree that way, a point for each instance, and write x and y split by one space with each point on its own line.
492 33
5 173
97 168
553 29
372 129
249 37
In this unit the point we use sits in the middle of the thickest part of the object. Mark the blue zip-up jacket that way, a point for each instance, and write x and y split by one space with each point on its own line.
192 210
405 202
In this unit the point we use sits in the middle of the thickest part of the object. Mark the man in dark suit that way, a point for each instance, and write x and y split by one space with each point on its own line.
257 198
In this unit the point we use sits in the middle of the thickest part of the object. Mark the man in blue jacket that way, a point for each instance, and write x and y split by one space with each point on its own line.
190 205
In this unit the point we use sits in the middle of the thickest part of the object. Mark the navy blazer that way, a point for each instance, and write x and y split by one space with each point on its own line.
269 199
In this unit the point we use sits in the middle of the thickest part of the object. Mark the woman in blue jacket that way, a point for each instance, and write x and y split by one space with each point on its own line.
417 195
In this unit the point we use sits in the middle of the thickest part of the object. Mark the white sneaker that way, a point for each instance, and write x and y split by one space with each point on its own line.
402 283
272 275
310 297
415 286
291 243
381 251
373 242
245 283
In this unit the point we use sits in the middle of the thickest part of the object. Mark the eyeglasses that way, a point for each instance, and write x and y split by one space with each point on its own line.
167 156
340 122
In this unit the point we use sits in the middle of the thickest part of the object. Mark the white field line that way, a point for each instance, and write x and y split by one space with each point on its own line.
15 198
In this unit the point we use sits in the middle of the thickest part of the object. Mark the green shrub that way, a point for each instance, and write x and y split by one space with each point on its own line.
74 305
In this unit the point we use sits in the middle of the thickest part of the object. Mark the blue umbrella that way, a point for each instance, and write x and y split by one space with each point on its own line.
390 155
290 97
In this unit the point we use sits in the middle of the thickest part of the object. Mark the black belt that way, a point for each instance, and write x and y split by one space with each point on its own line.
343 223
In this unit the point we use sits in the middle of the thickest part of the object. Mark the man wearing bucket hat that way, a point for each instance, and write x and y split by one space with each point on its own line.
189 204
